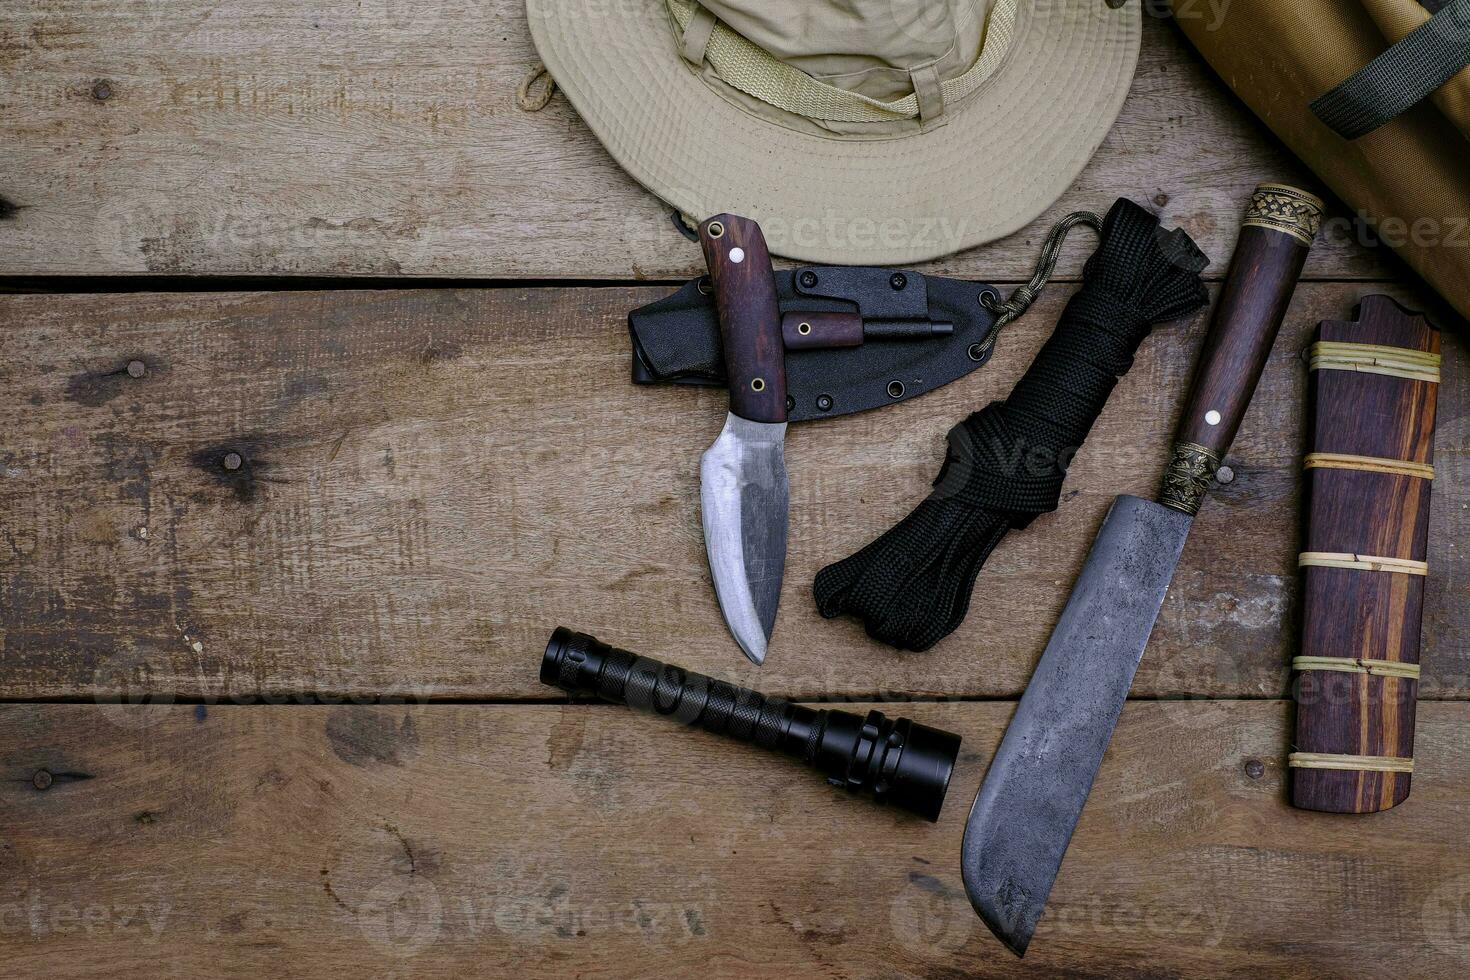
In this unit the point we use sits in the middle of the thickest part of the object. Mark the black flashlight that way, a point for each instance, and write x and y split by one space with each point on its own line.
898 762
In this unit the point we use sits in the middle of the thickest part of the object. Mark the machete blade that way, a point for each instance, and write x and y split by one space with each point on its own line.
1033 794
743 502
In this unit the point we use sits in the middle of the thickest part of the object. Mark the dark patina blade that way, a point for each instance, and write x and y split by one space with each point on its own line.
1033 794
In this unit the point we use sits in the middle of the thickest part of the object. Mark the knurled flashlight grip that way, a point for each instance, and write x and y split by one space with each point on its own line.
899 762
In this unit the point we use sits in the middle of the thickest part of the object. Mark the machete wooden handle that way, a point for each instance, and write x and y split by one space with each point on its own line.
1280 222
750 321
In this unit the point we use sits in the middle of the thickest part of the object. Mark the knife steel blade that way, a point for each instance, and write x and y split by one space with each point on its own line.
742 477
1025 812
743 502
1033 794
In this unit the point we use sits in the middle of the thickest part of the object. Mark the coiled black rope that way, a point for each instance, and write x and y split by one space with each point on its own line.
1006 463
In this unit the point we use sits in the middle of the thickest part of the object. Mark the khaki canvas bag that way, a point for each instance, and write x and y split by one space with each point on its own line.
1375 96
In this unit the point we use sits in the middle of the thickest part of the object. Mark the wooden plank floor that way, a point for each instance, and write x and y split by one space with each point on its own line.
449 841
382 137
433 478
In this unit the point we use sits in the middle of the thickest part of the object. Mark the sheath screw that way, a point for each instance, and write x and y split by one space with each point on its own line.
716 229
1224 475
790 404
136 369
808 279
102 90
1254 768
233 461
42 779
824 403
895 389
898 280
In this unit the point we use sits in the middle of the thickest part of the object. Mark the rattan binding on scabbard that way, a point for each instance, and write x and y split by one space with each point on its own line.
1367 563
1362 763
1396 362
1353 665
1368 464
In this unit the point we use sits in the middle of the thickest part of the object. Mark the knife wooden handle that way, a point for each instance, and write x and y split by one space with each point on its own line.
1367 483
1280 222
750 321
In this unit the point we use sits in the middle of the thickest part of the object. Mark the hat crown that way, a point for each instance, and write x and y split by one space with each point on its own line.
869 47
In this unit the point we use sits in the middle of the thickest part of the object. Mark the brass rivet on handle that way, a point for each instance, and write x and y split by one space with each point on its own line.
757 384
803 328
716 229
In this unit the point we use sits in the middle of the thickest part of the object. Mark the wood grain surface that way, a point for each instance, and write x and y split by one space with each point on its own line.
1349 612
561 841
243 499
1245 323
429 481
382 137
744 291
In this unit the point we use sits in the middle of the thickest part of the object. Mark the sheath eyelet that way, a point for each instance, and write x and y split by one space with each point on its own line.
803 328
757 384
895 389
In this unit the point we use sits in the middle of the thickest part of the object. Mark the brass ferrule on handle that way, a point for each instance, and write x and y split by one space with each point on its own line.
1280 224
1187 478
1286 209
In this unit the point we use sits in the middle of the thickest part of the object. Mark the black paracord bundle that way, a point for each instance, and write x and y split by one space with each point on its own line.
1006 463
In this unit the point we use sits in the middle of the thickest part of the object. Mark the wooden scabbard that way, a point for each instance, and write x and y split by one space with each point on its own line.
1367 481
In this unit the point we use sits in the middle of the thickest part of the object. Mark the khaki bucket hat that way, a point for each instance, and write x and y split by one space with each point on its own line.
855 131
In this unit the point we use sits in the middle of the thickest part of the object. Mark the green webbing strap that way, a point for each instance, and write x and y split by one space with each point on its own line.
756 72
1401 77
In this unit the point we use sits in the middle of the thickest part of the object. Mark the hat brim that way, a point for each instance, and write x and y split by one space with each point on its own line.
1003 156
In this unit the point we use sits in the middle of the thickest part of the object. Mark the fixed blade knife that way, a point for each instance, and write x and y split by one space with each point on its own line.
1032 797
743 490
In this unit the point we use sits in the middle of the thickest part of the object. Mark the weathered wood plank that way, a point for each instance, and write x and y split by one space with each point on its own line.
546 841
381 137
432 480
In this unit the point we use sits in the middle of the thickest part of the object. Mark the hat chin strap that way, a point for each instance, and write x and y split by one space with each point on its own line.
753 70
